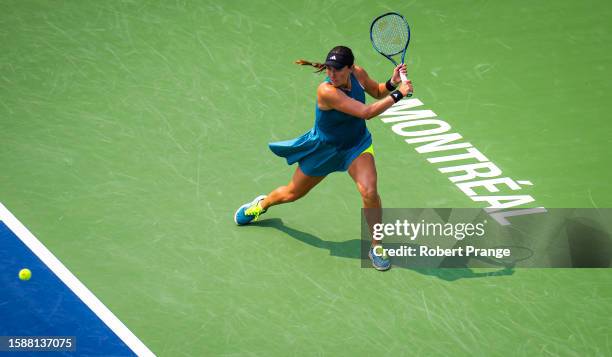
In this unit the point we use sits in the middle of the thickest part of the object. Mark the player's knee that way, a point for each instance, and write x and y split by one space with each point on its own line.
368 191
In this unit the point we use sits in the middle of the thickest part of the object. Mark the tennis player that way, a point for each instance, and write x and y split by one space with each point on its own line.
339 140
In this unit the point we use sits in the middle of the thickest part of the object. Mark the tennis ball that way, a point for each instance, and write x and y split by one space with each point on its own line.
25 274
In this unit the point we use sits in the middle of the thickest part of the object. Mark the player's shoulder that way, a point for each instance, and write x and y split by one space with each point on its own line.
358 69
360 73
326 89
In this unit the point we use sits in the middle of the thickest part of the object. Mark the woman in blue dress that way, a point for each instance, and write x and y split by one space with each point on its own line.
339 140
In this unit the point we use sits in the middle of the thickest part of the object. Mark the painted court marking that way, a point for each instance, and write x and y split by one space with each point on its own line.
73 283
435 137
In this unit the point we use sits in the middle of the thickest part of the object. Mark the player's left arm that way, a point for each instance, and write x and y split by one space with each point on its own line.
373 88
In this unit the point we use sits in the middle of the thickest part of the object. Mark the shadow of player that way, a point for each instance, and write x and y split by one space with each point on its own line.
449 269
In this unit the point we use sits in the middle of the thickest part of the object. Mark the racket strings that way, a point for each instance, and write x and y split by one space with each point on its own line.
390 34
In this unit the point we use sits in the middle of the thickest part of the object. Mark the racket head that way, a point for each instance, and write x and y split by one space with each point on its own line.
390 35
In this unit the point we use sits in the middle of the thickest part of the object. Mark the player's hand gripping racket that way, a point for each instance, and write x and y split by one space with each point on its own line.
390 35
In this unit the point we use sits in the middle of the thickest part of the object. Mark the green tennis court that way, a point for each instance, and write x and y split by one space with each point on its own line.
132 130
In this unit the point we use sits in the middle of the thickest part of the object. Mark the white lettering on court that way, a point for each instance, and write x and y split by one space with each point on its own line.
468 168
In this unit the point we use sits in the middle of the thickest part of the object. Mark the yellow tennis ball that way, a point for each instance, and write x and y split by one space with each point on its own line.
25 274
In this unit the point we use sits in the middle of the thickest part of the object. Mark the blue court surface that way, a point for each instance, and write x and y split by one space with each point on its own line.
53 302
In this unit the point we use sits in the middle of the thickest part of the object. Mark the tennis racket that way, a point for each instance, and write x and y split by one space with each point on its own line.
390 35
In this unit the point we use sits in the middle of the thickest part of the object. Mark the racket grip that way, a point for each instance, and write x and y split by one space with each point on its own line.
405 79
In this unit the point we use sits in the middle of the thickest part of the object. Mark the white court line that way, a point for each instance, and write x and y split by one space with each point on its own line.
74 284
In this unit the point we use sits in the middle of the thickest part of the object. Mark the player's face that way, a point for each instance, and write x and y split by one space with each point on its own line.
339 77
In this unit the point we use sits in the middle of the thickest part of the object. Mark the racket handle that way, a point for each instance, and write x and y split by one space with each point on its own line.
405 79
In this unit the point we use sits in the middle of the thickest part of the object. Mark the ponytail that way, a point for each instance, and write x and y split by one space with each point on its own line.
319 66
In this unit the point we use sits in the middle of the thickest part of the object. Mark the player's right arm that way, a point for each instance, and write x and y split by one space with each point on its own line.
329 97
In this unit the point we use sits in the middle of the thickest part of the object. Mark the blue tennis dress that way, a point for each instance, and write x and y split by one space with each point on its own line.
332 144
